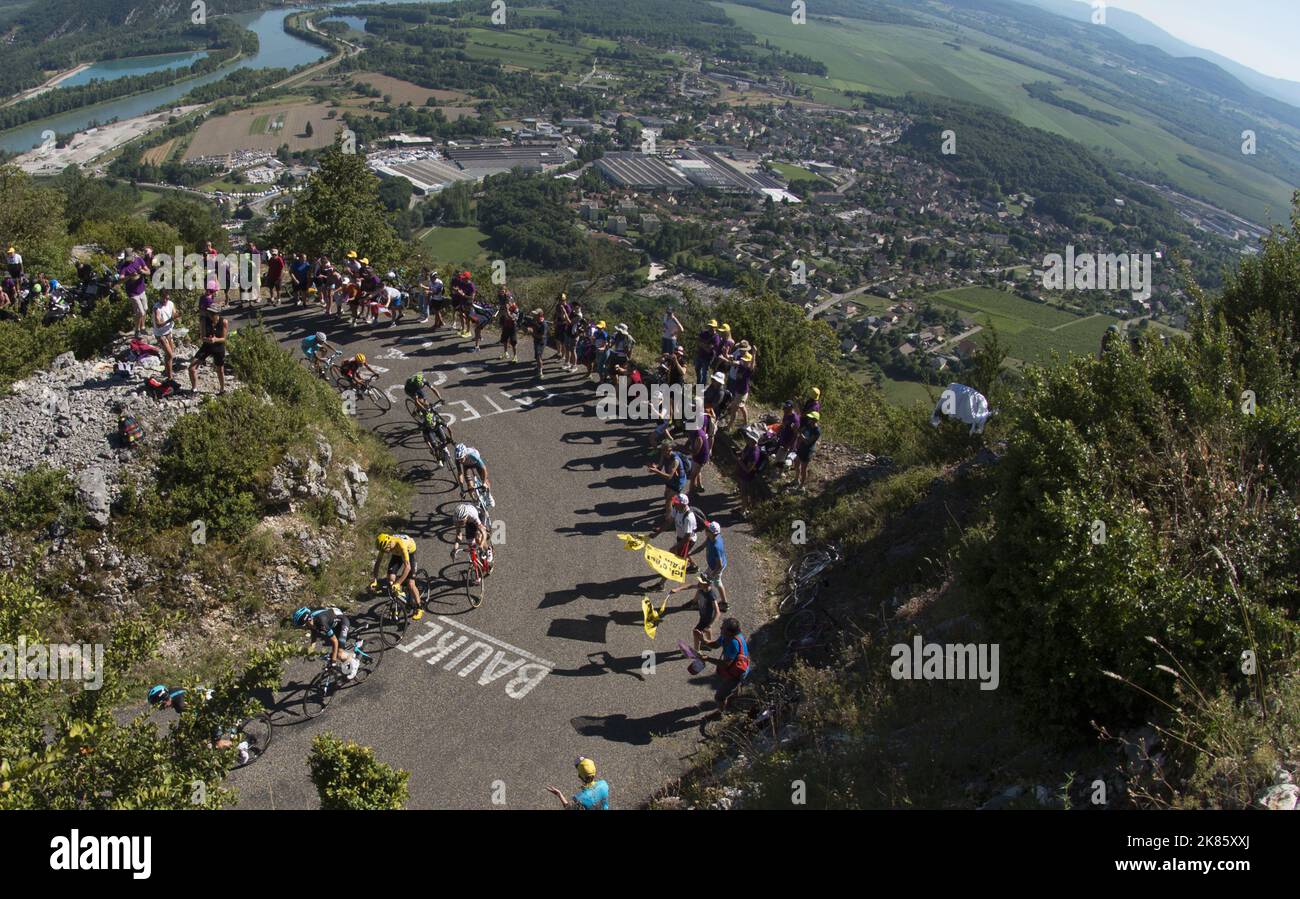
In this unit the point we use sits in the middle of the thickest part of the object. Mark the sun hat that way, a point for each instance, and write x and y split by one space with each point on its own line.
622 328
726 329
713 323
719 377
601 324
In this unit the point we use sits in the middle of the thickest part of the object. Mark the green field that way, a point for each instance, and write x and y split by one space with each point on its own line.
462 246
908 393
897 59
1031 331
531 49
797 173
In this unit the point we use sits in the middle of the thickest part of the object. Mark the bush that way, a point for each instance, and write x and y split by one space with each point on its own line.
27 346
215 464
36 498
348 776
261 363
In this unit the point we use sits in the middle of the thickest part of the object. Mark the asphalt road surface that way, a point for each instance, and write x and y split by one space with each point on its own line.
486 707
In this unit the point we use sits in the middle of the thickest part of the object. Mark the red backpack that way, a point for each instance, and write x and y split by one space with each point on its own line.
737 667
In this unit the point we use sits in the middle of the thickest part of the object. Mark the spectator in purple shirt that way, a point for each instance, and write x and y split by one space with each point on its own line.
135 275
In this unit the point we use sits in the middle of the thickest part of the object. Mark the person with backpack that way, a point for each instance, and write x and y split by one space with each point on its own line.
733 664
213 330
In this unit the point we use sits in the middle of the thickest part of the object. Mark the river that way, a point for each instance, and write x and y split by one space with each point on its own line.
276 49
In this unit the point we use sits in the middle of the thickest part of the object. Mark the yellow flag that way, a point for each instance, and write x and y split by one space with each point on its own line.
631 541
650 616
665 563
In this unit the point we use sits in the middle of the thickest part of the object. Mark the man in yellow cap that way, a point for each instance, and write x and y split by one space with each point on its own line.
594 795
814 401
810 431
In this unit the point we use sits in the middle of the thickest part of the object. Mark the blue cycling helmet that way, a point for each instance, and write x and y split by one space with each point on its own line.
300 615
460 451
156 693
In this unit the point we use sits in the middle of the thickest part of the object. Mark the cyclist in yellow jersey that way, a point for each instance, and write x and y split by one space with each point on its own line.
398 552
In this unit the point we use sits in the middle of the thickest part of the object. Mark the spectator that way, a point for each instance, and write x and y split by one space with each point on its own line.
700 447
563 321
213 330
541 328
717 401
675 468
742 376
725 347
715 560
672 330
274 274
706 350
300 274
594 795
814 401
508 316
706 603
732 664
809 433
14 264
164 318
135 275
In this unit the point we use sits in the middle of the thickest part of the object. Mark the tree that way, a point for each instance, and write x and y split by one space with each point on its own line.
307 132
195 220
339 210
348 776
31 220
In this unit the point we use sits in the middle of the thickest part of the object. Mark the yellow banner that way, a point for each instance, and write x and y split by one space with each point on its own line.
651 616
662 562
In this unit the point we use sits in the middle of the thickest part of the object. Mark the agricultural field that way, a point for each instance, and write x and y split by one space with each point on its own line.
1031 331
406 92
897 59
265 128
526 49
158 155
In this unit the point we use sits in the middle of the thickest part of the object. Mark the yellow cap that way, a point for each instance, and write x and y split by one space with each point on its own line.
600 325
726 329
365 261
817 391
352 254
586 769
748 357
713 323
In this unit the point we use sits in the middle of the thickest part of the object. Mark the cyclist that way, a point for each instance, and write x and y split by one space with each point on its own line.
415 386
163 697
351 369
315 344
470 526
331 626
398 550
429 430
468 459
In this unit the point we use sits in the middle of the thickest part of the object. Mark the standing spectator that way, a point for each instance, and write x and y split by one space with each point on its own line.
700 447
706 603
14 264
706 350
353 265
809 433
508 316
620 349
715 560
672 330
685 526
437 299
717 401
274 274
594 795
134 272
742 379
748 468
674 468
788 436
300 274
213 329
541 328
563 321
732 664
726 346
324 277
164 318
600 342
577 324
814 401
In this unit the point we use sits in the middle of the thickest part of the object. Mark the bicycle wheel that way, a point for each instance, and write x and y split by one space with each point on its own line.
392 622
473 592
256 732
802 624
793 601
422 583
319 693
379 398
810 566
413 408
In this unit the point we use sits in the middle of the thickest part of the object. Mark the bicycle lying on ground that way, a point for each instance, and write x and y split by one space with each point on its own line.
330 680
757 708
803 579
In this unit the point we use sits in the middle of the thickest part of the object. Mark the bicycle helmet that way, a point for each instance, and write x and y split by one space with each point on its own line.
156 693
463 511
681 499
320 336
300 616
383 541
361 357
427 419
461 450
418 379
714 528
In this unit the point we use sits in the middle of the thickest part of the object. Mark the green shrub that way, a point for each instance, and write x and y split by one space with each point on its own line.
261 363
348 776
216 463
26 345
36 498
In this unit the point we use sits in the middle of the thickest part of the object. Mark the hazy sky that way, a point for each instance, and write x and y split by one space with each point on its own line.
1262 34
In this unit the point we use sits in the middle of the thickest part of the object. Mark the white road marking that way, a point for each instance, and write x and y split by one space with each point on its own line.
476 649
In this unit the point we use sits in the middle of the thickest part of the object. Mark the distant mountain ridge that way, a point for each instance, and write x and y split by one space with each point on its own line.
1143 31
